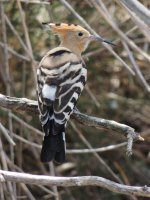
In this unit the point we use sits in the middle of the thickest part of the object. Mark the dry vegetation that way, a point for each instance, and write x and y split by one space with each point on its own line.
118 89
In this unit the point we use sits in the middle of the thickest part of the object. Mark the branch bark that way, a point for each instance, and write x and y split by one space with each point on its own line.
139 9
74 181
23 104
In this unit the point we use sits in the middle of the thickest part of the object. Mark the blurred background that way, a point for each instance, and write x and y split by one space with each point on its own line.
117 89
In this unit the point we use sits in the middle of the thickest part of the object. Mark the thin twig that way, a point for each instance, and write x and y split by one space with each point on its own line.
26 125
140 10
55 189
93 97
5 133
5 167
35 1
27 38
13 52
8 84
97 156
136 68
101 8
101 149
138 21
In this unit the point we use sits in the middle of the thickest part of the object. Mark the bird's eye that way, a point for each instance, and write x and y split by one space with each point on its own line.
80 34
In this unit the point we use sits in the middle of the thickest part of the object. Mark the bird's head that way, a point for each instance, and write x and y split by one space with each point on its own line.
74 37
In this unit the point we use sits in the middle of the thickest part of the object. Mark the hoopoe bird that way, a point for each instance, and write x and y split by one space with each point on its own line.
61 77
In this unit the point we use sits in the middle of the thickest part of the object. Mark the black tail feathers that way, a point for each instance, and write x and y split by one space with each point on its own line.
53 148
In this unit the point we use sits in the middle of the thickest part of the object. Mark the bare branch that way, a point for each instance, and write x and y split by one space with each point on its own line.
136 68
5 133
35 2
74 181
23 104
101 8
13 52
139 9
19 104
101 149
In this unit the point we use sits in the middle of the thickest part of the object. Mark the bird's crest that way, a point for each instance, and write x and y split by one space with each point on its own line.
63 27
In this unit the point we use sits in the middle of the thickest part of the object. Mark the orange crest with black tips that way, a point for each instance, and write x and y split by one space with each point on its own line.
63 27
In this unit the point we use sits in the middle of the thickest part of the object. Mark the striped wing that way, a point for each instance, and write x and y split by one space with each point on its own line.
67 95
61 79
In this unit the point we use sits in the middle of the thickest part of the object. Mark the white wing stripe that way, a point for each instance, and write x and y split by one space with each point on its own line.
49 92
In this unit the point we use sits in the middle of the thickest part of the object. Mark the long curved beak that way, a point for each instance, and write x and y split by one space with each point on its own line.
98 38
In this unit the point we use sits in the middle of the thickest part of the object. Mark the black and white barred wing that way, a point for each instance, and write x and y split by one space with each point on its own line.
46 96
67 95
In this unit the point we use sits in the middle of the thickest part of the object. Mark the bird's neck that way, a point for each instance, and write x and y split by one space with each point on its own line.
74 48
